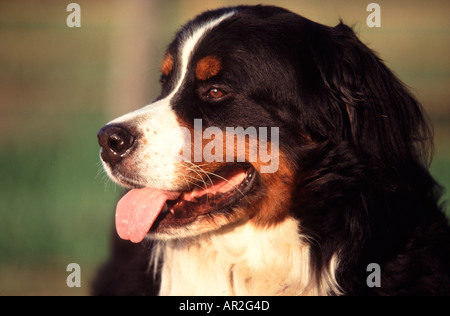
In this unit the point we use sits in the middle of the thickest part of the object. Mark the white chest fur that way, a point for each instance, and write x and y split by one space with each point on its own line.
243 260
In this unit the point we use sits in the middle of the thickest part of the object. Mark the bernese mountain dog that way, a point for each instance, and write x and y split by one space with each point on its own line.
282 157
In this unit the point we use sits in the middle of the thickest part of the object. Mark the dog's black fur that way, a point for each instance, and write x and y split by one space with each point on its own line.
358 141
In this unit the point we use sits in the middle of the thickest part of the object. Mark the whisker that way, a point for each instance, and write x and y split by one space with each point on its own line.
193 183
202 170
104 176
207 173
222 178
199 175
187 182
210 180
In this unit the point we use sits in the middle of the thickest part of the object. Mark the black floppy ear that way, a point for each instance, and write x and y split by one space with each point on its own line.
384 120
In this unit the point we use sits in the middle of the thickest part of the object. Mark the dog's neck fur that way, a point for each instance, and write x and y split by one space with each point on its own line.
243 260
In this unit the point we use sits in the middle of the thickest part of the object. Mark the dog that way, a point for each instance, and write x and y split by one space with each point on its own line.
350 189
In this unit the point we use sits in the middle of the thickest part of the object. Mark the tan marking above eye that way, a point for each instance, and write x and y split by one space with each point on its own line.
208 67
167 65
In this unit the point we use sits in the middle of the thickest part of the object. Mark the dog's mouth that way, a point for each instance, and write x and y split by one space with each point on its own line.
143 210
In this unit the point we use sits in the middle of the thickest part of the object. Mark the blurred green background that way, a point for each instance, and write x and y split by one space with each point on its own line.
59 85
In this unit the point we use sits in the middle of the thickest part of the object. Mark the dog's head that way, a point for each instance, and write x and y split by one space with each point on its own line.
247 94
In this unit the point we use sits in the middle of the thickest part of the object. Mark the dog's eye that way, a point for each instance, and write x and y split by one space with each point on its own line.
215 93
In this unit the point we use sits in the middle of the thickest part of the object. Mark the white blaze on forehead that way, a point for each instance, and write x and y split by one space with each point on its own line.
162 135
187 47
189 44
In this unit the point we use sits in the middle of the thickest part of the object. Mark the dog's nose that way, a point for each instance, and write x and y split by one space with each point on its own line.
116 142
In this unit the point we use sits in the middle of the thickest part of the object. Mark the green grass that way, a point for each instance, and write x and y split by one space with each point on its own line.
56 206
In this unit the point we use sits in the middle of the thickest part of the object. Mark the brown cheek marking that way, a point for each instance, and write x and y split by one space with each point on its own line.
189 170
274 190
208 67
278 190
167 65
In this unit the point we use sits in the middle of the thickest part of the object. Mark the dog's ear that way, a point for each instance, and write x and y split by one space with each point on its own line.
383 119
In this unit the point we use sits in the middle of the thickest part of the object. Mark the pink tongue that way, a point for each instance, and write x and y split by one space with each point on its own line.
137 211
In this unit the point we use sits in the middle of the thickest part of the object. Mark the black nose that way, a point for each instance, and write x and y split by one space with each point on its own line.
116 142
